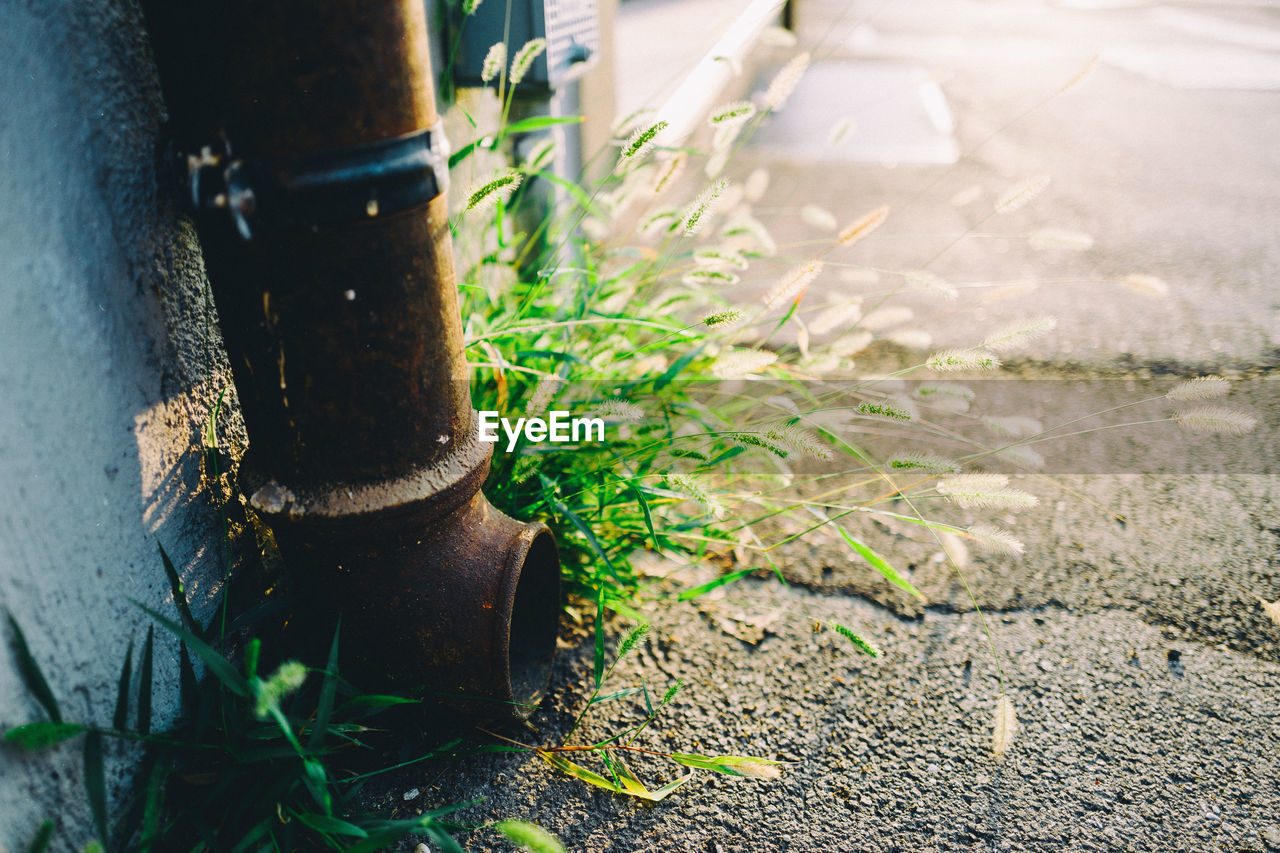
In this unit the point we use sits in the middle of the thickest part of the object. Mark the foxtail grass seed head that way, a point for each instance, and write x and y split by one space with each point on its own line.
633 638
1004 727
697 214
285 681
542 395
1015 335
924 461
859 643
1023 194
717 161
494 61
841 130
497 190
1147 285
850 344
861 227
978 481
800 442
733 113
660 222
984 491
703 278
525 57
928 282
639 145
952 360
540 155
883 410
525 467
722 319
818 217
618 409
720 259
791 287
841 316
1023 456
934 390
884 318
747 234
669 171
917 339
996 540
1013 426
692 488
785 82
1057 238
756 185
1218 420
753 439
737 363
1200 388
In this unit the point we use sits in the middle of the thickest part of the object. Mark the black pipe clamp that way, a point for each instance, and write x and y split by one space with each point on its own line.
335 187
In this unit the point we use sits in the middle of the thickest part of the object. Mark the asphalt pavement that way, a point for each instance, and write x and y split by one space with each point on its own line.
1142 669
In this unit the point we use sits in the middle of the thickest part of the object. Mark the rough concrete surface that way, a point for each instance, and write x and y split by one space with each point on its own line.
110 362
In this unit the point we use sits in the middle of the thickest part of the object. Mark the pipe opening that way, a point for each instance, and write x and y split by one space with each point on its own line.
535 619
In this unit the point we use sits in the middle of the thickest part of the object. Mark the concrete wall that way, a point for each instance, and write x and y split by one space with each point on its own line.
109 361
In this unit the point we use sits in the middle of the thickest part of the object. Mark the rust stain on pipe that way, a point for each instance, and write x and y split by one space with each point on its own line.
346 344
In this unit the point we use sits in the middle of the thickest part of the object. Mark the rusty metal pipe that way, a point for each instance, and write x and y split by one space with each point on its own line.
345 340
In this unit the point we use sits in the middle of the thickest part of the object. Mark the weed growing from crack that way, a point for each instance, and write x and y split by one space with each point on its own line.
257 761
604 287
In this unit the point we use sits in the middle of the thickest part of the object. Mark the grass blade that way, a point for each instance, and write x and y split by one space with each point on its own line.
189 686
328 690
648 516
218 665
44 835
562 508
43 734
327 824
151 809
879 563
529 836
31 674
144 681
677 366
121 717
579 772
702 589
628 778
95 783
599 651
617 694
179 592
732 765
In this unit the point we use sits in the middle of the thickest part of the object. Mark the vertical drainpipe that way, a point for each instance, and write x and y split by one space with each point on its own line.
326 237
